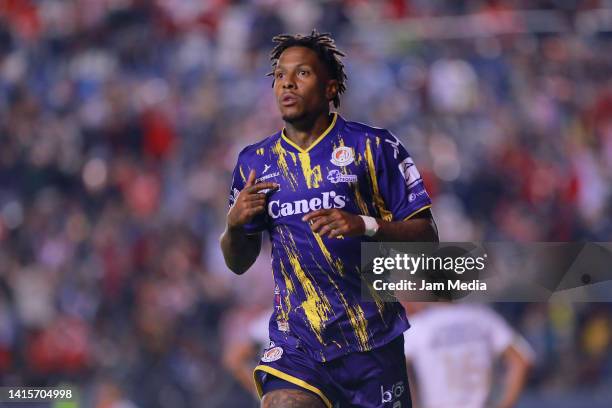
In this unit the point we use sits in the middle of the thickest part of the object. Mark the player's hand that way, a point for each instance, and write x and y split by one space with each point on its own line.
249 202
335 222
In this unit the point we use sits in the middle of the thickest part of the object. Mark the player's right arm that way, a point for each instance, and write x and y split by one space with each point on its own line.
241 248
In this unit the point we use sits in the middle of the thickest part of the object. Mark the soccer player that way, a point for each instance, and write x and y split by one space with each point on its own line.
452 350
320 187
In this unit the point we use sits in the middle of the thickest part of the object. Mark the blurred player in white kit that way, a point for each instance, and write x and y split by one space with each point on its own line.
452 349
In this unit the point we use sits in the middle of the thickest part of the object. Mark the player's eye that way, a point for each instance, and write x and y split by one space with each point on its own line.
303 72
279 75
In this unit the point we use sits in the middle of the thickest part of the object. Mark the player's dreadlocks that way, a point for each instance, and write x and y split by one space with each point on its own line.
325 48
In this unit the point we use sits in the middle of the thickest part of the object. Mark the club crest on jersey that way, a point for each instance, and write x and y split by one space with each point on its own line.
272 354
342 156
336 177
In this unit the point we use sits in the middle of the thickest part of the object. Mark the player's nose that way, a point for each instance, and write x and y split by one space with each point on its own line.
288 85
288 82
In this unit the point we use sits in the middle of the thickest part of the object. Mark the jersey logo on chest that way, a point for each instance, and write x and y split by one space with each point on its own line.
327 200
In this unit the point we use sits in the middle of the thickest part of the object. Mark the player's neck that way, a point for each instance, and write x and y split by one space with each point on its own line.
304 133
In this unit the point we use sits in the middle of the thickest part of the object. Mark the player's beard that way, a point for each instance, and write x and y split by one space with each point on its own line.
295 117
301 119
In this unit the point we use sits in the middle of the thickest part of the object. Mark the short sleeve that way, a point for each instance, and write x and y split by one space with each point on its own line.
399 180
239 177
504 336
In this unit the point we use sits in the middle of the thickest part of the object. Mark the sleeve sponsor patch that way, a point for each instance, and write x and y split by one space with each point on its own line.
409 171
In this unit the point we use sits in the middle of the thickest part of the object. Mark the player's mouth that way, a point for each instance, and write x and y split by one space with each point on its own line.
289 99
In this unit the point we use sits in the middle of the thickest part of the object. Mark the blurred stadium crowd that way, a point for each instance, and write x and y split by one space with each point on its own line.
120 123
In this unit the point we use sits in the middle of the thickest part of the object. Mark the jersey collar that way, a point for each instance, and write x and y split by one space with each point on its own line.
317 140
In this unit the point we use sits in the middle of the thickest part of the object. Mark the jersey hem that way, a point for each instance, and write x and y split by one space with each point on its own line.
335 353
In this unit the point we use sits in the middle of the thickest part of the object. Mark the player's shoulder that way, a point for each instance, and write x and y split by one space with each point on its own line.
361 134
363 130
259 147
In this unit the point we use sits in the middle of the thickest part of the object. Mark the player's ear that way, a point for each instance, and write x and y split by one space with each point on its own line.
331 90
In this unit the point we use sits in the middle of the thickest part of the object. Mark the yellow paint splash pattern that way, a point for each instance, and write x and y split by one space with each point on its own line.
335 286
260 151
360 325
335 264
357 319
312 176
294 157
380 304
281 153
363 207
283 313
316 306
288 282
378 200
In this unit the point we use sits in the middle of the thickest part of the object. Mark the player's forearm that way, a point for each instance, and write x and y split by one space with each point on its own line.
516 374
514 384
239 249
416 230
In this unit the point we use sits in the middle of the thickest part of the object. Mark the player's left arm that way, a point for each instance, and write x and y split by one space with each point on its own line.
517 366
399 192
516 354
421 227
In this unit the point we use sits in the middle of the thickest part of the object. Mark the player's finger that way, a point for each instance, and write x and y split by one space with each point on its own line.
332 226
319 223
256 203
336 232
251 179
255 210
255 196
315 214
262 186
324 230
268 186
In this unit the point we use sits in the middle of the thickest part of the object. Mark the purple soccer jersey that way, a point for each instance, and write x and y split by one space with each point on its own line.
353 167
